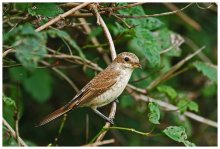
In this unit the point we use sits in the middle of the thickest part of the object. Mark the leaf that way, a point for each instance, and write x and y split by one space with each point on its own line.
145 43
45 9
30 46
178 133
154 114
189 144
39 85
58 33
182 105
18 73
169 91
22 6
8 101
193 106
207 69
149 23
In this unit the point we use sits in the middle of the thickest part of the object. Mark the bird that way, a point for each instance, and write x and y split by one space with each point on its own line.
103 89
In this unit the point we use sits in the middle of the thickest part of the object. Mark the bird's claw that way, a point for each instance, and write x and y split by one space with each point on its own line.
110 120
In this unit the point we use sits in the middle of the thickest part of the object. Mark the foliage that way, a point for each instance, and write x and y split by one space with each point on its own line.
33 89
154 114
178 134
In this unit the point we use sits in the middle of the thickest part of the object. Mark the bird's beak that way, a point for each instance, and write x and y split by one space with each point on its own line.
137 65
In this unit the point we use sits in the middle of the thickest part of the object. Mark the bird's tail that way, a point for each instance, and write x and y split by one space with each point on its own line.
54 115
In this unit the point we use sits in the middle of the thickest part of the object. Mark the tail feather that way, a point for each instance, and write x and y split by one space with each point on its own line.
54 115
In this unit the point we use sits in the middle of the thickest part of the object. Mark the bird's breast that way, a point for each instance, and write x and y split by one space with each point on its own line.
112 93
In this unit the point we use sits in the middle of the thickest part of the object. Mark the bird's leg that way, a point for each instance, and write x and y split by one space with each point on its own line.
116 100
103 116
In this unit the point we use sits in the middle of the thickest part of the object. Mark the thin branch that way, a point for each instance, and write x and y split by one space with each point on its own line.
155 15
184 17
12 132
173 69
106 31
110 141
63 76
121 7
71 11
172 107
113 55
7 52
94 40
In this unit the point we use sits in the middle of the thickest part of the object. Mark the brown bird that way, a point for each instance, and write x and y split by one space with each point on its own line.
103 88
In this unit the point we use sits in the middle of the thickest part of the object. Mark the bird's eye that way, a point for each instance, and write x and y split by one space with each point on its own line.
126 59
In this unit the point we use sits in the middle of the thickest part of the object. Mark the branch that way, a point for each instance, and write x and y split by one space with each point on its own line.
121 7
155 15
62 75
94 40
113 55
61 16
172 70
184 17
172 107
101 143
12 132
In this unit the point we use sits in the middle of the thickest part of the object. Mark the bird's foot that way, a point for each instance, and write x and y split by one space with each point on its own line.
110 120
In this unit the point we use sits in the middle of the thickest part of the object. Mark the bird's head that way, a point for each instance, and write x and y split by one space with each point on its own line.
127 60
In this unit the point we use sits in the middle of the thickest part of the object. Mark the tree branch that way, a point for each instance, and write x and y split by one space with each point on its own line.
101 143
172 107
61 16
13 133
155 15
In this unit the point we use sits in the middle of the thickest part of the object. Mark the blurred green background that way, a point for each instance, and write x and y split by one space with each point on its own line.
34 89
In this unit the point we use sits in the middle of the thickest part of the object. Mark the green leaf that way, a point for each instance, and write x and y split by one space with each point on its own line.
8 101
149 23
169 91
193 106
154 114
207 69
209 90
30 46
18 73
39 85
63 35
178 133
145 43
189 144
22 6
45 9
182 105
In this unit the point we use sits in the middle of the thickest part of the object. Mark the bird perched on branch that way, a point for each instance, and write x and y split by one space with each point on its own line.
102 89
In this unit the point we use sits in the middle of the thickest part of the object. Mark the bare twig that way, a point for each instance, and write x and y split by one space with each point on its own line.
7 52
172 70
168 106
61 16
12 132
155 15
184 17
113 55
101 143
95 40
121 7
63 76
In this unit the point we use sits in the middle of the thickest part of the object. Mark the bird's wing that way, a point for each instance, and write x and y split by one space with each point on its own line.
102 82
